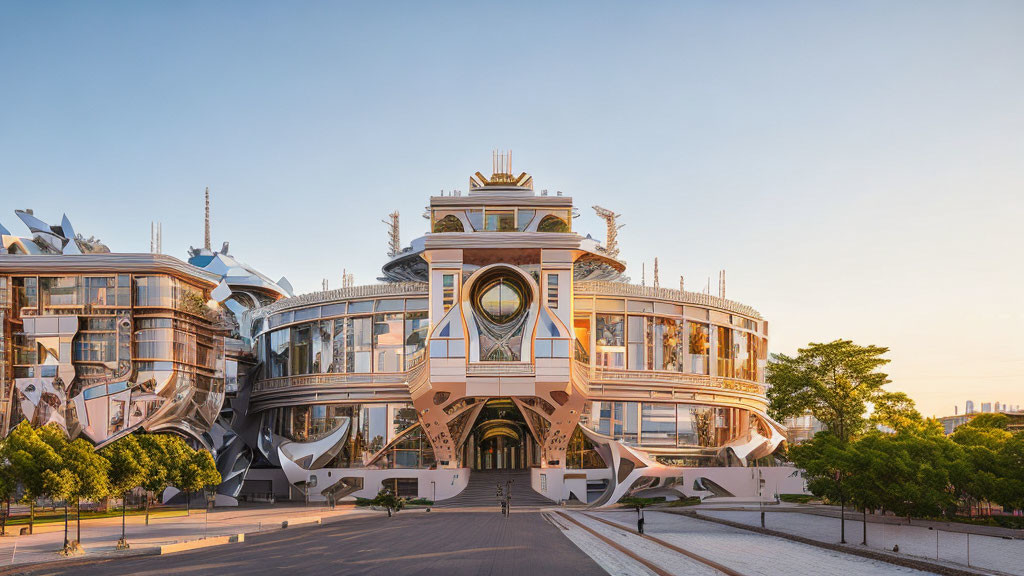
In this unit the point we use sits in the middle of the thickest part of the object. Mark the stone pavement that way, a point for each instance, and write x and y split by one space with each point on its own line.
99 536
614 562
754 554
986 552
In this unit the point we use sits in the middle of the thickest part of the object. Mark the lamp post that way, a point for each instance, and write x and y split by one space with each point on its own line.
760 493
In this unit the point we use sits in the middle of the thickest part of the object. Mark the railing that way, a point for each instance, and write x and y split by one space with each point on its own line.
355 292
331 380
604 288
597 375
500 369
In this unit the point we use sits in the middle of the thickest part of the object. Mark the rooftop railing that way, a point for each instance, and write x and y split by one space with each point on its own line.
605 288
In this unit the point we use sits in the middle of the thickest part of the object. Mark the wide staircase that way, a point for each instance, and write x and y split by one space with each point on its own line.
482 491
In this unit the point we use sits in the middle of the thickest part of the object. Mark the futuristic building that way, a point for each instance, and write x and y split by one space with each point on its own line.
499 340
105 344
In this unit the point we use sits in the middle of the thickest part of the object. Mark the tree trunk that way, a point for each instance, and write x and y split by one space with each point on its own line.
78 520
66 525
124 505
865 519
147 507
7 512
842 520
32 517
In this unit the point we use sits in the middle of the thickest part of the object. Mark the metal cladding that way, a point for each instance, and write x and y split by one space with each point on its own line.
499 340
104 344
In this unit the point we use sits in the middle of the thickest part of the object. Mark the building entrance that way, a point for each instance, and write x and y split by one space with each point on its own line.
500 439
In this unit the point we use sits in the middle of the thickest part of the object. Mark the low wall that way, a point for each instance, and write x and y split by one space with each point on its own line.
742 483
431 484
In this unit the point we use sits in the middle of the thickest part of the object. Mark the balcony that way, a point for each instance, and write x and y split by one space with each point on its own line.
598 377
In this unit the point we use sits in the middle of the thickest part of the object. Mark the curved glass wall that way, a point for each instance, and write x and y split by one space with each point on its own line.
670 425
384 342
615 337
372 428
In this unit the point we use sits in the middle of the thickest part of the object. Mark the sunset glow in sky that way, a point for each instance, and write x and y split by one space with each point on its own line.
856 169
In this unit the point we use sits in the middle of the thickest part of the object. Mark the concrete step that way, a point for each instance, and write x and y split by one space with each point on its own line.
482 488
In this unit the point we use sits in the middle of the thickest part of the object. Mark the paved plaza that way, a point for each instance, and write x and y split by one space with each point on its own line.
99 537
482 541
412 542
986 552
745 552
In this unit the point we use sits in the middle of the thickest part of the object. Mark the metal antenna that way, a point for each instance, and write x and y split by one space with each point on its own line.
394 240
611 244
656 282
206 241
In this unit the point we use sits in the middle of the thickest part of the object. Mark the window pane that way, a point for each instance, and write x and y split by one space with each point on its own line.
500 221
726 354
610 346
359 340
636 333
388 343
416 325
700 345
658 424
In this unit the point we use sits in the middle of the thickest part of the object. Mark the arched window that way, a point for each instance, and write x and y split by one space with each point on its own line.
552 223
449 223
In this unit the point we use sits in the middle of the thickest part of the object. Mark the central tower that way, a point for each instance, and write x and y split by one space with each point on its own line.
500 265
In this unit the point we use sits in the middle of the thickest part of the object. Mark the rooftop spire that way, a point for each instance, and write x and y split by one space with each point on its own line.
611 243
206 241
394 240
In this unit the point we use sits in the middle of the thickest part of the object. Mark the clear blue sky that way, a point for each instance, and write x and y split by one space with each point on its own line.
856 168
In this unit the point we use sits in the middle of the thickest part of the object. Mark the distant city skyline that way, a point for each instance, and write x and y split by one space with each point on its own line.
857 177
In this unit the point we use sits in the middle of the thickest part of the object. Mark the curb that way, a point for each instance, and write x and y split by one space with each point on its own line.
201 543
304 520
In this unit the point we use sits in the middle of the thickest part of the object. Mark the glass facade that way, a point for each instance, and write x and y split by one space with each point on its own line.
666 425
363 344
372 427
661 343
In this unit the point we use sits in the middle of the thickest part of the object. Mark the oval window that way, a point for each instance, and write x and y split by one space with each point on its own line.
501 300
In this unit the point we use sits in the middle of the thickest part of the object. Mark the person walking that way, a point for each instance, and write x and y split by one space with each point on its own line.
639 519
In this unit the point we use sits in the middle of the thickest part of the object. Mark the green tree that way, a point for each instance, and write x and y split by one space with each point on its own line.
982 475
388 500
828 462
88 469
991 420
8 483
129 465
866 485
29 456
896 411
1011 494
162 466
834 381
61 484
198 471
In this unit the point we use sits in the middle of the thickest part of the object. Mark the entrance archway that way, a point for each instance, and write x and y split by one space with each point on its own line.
500 439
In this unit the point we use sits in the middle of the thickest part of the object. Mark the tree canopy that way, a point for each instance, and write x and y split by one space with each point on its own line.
833 381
